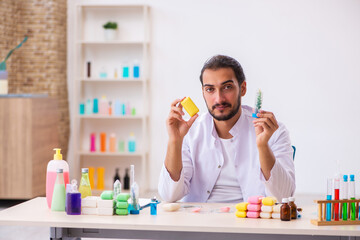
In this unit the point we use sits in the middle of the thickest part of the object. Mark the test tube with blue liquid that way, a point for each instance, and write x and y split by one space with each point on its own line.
328 197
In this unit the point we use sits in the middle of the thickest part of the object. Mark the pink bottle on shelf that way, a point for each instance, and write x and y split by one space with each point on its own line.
93 142
58 162
104 106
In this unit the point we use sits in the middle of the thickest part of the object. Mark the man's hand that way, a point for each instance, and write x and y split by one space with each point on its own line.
265 126
177 127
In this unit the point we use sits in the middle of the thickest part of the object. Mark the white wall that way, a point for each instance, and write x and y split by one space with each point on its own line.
303 54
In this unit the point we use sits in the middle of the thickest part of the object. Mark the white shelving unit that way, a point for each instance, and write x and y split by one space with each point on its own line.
132 43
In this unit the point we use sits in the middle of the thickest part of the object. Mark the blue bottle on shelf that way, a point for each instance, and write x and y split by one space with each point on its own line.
136 69
132 143
96 106
125 70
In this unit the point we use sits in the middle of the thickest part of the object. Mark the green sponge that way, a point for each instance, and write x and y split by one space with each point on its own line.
121 212
122 197
122 205
107 195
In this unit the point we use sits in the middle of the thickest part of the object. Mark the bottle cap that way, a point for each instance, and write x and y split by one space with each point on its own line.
352 177
59 170
285 200
57 155
291 199
85 170
345 177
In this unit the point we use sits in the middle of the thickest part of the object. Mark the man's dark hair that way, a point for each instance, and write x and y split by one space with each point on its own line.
222 61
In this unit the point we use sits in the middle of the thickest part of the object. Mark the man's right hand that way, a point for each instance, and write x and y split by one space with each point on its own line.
177 127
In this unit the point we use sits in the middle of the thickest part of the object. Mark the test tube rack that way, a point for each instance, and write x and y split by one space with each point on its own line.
321 221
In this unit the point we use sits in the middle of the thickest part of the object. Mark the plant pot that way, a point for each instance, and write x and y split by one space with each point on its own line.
110 34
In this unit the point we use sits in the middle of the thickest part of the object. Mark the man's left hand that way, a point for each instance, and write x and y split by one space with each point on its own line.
265 125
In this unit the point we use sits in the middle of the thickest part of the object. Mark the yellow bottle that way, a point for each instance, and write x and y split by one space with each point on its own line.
85 188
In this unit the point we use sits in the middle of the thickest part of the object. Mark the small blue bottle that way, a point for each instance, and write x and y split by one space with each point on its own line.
153 206
125 70
96 106
88 107
82 109
136 70
132 143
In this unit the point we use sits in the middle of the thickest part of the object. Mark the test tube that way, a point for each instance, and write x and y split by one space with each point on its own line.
328 197
352 197
336 197
344 194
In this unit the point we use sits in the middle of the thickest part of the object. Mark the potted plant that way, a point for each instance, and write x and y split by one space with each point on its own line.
110 30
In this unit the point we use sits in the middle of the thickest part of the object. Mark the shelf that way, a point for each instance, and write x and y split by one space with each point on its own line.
111 154
97 116
113 80
98 42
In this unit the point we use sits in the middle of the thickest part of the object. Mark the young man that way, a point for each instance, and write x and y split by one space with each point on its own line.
226 155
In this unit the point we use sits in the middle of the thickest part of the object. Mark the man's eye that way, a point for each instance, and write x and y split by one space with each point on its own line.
228 87
209 89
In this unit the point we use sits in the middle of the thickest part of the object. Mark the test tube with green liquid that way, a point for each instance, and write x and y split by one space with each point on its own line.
344 197
352 197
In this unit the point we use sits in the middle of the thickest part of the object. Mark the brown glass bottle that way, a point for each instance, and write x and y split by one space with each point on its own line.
293 208
285 212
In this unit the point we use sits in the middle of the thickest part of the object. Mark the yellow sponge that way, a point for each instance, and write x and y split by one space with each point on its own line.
189 106
268 201
240 214
242 206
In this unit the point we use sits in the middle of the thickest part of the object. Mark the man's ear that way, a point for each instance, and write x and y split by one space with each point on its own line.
243 88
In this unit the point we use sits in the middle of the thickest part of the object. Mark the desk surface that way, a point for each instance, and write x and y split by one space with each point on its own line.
35 213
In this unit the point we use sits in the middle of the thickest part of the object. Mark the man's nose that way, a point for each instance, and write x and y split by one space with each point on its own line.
219 97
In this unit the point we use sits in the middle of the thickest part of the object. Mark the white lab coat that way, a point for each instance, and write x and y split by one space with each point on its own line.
202 159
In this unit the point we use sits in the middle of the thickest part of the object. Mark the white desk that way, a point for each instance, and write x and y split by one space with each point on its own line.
172 225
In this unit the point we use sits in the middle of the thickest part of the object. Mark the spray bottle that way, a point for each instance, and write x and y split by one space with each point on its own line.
53 165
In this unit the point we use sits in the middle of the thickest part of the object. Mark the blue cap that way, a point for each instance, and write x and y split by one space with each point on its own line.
352 177
345 178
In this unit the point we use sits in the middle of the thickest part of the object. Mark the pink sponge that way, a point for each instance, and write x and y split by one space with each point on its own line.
254 207
255 199
250 214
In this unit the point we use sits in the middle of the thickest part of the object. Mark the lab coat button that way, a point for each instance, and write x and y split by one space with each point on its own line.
219 166
208 192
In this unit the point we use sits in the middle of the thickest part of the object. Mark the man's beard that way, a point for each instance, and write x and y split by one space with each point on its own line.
232 113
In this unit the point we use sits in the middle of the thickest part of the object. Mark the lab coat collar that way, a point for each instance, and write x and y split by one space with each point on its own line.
234 131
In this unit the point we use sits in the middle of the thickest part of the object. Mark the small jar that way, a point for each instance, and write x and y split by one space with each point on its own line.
285 211
293 208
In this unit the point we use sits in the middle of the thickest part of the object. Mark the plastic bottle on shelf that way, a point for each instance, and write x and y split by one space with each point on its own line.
85 188
102 142
53 165
100 178
104 106
112 144
132 143
103 73
125 69
88 107
96 106
136 69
